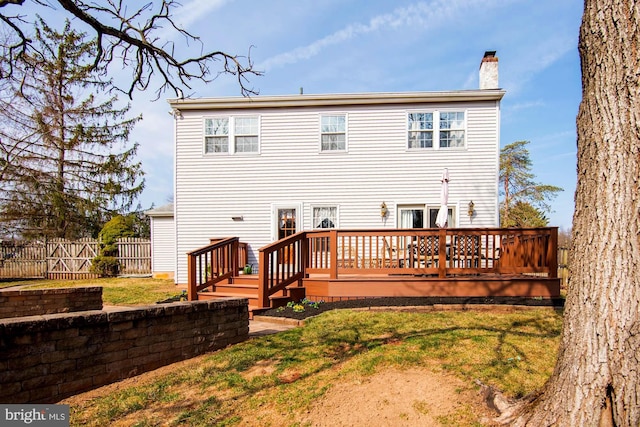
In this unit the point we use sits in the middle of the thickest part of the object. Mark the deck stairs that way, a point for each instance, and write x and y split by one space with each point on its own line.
246 286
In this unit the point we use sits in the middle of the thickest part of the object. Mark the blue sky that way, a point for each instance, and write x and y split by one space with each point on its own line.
345 46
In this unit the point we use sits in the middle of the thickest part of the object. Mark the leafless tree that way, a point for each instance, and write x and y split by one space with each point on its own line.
134 39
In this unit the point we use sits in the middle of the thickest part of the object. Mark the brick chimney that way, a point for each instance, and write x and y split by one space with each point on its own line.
489 70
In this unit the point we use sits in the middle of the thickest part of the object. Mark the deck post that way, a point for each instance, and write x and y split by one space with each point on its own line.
192 293
304 255
235 268
442 253
333 251
552 253
263 277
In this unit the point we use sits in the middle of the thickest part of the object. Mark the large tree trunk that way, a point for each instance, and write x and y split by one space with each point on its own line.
596 378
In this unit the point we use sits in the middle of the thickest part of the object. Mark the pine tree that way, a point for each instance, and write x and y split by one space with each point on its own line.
519 188
67 167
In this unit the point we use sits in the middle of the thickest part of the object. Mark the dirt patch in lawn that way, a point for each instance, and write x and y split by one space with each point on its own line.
393 397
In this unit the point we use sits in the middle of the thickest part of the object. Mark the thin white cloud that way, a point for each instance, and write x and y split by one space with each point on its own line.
526 105
423 14
538 57
190 12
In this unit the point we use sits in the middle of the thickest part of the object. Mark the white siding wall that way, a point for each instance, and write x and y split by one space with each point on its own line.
210 189
163 244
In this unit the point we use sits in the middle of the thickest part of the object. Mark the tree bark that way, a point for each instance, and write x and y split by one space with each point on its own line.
596 378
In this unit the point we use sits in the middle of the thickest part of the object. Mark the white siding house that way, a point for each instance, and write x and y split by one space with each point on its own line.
163 242
264 167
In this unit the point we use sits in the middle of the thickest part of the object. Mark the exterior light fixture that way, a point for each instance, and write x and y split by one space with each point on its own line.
471 210
383 210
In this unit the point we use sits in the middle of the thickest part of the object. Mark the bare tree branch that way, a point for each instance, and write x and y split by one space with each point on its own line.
134 40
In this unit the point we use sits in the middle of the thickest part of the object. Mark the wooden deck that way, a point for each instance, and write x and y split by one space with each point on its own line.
359 286
344 264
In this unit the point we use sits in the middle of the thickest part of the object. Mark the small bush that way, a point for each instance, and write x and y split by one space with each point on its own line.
105 266
119 226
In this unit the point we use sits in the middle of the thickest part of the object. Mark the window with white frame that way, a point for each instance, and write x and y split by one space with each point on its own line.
451 129
420 130
246 134
448 128
243 131
333 132
216 135
433 215
411 216
420 216
325 217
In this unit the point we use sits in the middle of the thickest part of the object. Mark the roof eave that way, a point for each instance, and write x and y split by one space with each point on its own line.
331 100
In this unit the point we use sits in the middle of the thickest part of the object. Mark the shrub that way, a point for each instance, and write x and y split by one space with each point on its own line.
117 227
105 266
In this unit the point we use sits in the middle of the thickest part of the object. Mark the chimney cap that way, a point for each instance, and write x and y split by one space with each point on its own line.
489 56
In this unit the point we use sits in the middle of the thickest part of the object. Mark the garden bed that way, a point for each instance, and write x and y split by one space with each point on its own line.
308 310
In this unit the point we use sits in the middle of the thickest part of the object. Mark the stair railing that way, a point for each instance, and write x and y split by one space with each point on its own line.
282 263
211 264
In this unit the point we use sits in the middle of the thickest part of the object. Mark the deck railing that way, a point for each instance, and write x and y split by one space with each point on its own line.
442 252
212 264
335 253
281 264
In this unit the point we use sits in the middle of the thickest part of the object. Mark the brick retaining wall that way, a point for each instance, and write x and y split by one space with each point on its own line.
44 359
35 302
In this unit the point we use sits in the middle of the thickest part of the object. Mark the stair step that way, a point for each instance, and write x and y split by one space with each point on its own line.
246 279
213 295
235 287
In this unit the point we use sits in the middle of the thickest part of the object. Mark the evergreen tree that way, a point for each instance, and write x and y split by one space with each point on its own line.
519 188
524 215
67 164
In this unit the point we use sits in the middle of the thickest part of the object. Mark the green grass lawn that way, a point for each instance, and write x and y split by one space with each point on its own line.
274 379
115 291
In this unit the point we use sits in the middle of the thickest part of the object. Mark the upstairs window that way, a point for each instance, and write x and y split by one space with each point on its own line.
246 135
452 129
447 128
242 131
420 130
333 133
216 135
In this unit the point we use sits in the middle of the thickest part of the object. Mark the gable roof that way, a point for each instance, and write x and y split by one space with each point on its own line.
166 210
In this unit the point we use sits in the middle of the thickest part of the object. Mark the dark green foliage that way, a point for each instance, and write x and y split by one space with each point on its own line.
66 164
524 200
524 215
117 227
105 266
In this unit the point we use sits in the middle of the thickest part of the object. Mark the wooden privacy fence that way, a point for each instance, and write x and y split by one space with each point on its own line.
563 266
69 259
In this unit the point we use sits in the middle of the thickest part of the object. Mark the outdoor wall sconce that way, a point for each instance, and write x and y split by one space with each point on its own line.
471 211
383 210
